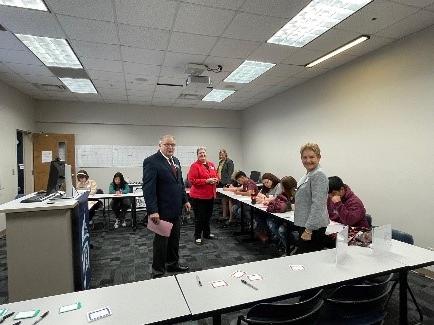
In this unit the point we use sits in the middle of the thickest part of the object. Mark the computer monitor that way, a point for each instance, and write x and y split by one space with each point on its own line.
56 178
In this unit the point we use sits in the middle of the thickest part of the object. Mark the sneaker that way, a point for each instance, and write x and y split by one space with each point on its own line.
198 241
116 226
124 224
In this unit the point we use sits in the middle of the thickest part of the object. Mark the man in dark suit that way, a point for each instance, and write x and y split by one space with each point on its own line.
164 193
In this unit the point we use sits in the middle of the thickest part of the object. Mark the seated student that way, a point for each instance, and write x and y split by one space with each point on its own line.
119 205
86 184
279 228
247 188
344 206
272 187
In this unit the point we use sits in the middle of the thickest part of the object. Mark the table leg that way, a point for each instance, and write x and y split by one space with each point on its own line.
243 230
217 319
403 285
133 213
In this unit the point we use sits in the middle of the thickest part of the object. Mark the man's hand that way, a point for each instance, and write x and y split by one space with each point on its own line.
336 199
187 206
306 235
155 217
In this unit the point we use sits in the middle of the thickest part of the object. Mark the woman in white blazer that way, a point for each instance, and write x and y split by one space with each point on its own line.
310 213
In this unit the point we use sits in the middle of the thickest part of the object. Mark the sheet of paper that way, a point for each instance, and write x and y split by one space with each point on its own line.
163 228
238 274
254 277
297 267
47 156
219 283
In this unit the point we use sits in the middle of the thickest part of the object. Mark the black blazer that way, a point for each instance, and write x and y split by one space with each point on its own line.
163 191
227 171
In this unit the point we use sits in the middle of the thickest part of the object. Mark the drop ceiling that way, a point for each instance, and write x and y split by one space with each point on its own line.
128 46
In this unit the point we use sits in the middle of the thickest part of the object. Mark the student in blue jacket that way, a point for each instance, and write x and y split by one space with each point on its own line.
119 205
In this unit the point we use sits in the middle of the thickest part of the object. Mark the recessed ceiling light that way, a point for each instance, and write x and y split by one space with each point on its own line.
338 50
29 4
314 20
82 86
53 52
217 95
248 71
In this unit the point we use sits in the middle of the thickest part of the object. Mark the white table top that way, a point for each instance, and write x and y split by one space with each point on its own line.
141 302
279 279
17 206
411 255
110 196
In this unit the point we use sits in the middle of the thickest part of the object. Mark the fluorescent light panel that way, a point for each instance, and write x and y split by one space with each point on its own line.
81 86
29 4
248 71
338 50
53 52
314 20
218 95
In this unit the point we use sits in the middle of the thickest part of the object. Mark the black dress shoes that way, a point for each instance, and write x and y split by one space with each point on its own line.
178 268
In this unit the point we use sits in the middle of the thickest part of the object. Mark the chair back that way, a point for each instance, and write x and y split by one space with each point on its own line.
369 219
302 312
99 191
402 236
354 300
255 175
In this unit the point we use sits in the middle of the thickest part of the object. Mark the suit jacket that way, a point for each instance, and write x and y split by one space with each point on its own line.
311 201
163 191
226 172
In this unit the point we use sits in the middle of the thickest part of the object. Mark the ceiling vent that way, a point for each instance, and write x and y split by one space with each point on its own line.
191 96
50 87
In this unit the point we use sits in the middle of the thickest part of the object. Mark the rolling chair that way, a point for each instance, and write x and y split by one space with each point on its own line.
359 303
255 176
302 312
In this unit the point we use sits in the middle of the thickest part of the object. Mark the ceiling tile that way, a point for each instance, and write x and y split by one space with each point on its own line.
95 9
11 42
416 3
154 39
167 92
228 64
191 43
303 56
175 80
30 22
309 73
375 42
181 59
148 13
38 69
89 30
112 92
42 79
276 8
271 53
226 4
336 61
96 50
231 48
134 54
331 40
21 57
386 13
105 75
430 7
145 91
101 64
11 77
202 20
408 25
139 80
108 84
142 69
245 27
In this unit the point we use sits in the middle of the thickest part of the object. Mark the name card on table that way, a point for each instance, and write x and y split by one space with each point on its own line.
382 239
341 245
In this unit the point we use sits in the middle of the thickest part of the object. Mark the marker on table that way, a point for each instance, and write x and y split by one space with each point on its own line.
249 285
198 281
40 318
3 318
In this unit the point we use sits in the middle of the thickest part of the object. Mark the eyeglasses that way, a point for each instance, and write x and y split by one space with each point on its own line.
169 145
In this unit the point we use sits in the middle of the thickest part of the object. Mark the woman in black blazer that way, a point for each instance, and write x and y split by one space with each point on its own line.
225 171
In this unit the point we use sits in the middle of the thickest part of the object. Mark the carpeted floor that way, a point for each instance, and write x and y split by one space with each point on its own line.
122 255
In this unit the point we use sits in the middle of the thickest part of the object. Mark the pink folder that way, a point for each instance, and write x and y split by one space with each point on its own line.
163 228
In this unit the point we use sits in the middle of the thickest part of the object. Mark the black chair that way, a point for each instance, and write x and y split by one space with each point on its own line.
255 176
358 303
369 218
302 312
405 238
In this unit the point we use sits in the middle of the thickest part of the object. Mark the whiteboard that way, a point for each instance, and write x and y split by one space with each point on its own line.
94 155
131 156
186 155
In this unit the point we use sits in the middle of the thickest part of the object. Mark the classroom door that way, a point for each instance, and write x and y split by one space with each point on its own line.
47 147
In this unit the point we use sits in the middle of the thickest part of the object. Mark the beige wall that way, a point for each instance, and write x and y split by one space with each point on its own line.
16 112
95 123
373 119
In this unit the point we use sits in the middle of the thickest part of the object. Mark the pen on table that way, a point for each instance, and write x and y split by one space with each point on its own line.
41 317
3 318
249 285
198 281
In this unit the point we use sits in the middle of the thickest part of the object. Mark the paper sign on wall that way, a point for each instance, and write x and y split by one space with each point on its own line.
47 156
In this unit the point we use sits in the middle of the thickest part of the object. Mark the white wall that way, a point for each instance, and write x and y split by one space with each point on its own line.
373 119
96 123
16 112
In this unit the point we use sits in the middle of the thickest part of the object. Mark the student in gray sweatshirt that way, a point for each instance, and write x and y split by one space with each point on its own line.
310 213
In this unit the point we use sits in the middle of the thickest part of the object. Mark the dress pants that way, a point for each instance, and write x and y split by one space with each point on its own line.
166 249
202 209
120 207
317 242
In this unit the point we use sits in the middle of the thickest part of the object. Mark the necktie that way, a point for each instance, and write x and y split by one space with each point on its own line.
172 166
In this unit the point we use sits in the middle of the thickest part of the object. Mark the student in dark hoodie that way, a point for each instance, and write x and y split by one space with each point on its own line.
344 206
